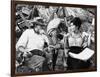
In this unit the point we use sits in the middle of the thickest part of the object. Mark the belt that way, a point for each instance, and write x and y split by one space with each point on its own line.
37 52
75 49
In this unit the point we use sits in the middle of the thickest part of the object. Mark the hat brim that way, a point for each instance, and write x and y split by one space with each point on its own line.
35 21
39 23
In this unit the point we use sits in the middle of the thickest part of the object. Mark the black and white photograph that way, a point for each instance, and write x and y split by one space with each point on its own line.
54 38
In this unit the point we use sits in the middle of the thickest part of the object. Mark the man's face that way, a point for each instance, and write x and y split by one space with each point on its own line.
38 28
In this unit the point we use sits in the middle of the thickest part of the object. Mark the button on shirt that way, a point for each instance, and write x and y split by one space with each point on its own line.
31 40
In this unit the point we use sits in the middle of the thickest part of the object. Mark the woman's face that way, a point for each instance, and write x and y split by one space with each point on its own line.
72 27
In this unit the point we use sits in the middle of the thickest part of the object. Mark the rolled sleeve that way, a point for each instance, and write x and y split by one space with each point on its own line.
23 40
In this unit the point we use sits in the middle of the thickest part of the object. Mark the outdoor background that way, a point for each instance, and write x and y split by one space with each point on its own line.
5 39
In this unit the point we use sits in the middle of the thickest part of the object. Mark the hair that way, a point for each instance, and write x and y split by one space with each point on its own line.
60 36
77 22
62 26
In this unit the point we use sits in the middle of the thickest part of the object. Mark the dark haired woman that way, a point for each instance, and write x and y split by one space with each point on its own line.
77 41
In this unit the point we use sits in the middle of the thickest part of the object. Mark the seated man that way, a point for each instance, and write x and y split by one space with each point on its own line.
31 44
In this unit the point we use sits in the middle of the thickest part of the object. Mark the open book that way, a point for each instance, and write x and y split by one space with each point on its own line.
84 55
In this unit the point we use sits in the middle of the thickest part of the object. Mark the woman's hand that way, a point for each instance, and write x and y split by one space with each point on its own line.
66 51
84 45
54 46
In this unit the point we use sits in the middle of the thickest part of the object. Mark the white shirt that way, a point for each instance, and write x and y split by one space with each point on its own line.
30 40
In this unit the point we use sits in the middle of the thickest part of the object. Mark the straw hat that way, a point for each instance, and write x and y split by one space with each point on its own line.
38 21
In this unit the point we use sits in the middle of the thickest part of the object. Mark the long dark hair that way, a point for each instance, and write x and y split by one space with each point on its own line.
77 22
62 27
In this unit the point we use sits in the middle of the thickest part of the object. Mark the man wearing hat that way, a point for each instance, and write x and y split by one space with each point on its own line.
31 44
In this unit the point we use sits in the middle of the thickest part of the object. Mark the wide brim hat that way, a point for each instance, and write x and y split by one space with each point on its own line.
38 21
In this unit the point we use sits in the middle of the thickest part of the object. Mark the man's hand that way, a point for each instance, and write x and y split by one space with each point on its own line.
27 54
57 46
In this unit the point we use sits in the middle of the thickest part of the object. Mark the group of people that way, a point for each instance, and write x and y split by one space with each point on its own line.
58 45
